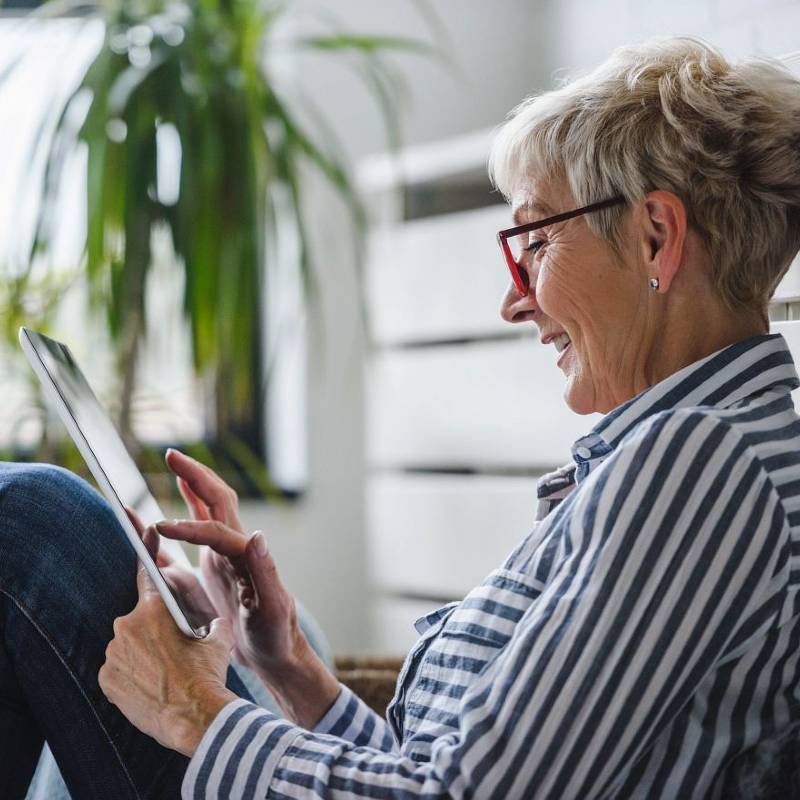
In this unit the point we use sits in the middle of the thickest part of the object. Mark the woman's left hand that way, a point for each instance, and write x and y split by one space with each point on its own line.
169 686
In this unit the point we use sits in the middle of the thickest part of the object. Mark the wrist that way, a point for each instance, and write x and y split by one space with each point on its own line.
303 686
194 718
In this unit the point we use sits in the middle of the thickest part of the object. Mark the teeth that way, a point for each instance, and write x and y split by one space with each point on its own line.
561 342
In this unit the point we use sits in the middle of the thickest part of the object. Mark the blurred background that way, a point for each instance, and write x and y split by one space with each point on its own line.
267 234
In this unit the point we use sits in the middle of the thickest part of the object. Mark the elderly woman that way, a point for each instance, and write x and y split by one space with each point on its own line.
642 640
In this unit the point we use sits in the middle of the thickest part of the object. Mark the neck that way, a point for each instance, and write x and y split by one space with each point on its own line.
694 332
697 333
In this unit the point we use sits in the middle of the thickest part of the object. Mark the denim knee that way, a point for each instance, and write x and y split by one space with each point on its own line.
59 537
43 489
39 500
40 478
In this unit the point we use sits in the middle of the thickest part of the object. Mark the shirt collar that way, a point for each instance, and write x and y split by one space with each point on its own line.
724 378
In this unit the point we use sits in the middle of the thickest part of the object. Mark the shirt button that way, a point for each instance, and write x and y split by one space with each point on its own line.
583 452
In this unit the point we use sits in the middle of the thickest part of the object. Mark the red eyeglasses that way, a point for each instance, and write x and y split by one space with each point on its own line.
513 250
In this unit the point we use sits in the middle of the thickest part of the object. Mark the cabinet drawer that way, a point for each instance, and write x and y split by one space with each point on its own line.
440 535
438 278
484 405
392 623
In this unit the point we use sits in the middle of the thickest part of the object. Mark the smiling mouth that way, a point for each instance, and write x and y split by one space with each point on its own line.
562 342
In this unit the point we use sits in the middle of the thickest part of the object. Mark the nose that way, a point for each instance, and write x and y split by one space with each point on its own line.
516 307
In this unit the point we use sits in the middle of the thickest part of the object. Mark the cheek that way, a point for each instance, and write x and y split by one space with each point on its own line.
559 291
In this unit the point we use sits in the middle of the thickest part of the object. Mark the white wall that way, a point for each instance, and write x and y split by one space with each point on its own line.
583 32
497 50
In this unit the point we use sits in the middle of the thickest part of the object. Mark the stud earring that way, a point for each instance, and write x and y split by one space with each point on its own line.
654 284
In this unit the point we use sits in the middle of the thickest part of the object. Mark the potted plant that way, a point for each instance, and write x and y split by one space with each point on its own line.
194 76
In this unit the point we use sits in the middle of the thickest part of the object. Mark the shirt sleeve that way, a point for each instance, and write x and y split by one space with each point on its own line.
673 546
245 723
351 719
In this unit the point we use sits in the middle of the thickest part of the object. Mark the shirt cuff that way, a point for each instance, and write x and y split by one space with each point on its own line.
224 763
351 719
332 716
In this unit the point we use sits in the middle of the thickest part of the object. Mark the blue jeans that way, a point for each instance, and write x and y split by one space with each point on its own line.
66 572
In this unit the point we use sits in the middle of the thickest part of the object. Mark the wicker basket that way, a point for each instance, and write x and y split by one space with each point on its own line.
372 679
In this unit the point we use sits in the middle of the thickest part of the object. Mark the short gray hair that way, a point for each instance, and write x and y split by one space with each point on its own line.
674 114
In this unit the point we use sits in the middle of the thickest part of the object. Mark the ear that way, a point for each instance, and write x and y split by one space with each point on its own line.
662 236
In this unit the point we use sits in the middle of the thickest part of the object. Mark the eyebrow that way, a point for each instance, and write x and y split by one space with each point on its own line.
537 207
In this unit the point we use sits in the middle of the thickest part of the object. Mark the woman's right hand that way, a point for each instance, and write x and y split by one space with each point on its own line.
243 584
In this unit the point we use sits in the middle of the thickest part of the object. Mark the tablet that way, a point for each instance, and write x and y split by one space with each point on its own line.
108 460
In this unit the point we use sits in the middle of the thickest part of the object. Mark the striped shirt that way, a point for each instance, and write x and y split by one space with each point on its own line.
640 642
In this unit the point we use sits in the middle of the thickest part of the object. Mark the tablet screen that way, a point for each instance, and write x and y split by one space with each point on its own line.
103 440
100 434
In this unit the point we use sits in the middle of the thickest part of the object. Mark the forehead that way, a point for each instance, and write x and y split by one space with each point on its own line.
535 199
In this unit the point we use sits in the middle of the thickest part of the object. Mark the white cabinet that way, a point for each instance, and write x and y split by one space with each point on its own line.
463 411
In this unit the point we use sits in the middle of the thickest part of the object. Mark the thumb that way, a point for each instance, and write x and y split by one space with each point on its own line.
143 582
151 541
221 634
261 566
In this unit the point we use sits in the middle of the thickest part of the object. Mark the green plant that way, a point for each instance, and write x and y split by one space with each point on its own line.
195 73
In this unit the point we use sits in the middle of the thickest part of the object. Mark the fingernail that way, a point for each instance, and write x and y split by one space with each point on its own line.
261 543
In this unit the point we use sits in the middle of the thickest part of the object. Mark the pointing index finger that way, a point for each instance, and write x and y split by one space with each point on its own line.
219 537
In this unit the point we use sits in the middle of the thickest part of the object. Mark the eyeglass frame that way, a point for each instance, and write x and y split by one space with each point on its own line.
508 233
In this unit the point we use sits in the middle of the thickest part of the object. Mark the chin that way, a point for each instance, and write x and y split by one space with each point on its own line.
578 399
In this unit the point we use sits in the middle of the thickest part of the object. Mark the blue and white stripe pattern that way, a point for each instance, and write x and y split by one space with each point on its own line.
639 641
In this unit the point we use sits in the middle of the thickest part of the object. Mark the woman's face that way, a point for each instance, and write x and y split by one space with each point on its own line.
579 287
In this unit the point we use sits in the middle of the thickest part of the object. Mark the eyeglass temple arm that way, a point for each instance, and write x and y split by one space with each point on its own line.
529 226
